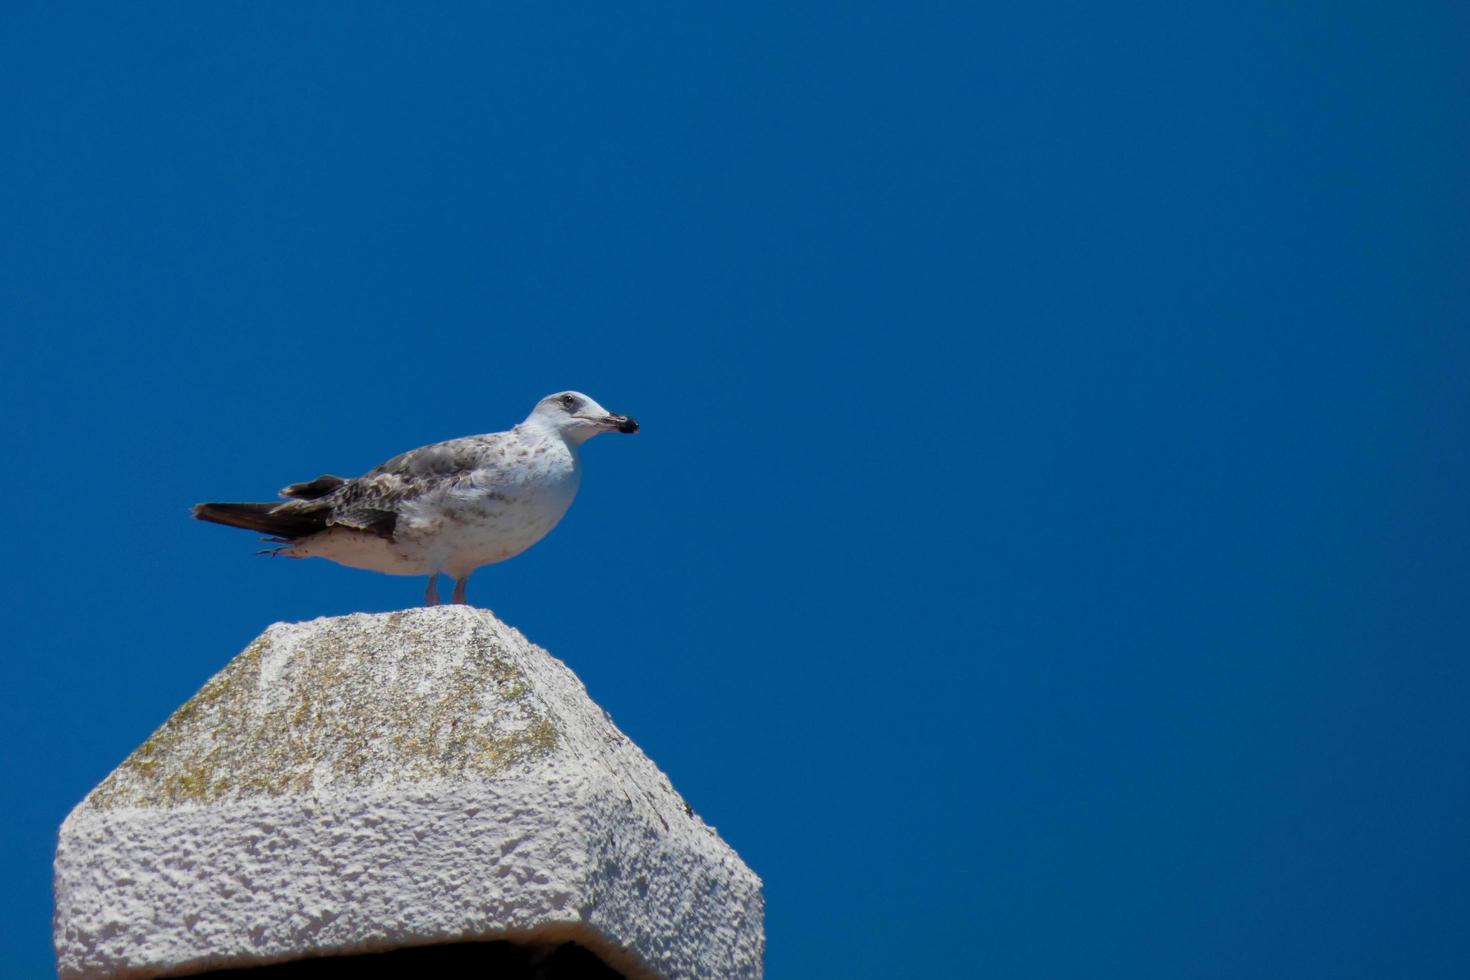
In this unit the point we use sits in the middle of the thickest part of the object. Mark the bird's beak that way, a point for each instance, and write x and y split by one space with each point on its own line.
608 423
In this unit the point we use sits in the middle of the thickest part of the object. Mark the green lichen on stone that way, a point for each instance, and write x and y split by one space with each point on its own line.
355 701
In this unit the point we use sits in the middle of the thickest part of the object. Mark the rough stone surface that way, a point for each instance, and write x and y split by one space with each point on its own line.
381 781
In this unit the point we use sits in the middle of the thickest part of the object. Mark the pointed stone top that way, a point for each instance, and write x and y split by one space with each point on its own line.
373 782
361 700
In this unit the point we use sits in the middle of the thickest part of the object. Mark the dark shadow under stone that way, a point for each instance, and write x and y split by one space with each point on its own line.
491 961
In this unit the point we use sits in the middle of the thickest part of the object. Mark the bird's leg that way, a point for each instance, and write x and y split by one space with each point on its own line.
459 584
431 593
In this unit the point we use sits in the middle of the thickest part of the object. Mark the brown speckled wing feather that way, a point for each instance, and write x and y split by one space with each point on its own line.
372 501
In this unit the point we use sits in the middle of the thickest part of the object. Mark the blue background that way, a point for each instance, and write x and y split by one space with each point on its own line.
1046 552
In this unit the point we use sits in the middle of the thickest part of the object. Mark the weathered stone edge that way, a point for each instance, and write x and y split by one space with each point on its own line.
604 916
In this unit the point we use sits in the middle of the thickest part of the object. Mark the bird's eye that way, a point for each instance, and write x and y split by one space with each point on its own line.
568 401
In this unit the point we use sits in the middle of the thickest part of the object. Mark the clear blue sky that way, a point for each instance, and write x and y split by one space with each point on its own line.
1046 552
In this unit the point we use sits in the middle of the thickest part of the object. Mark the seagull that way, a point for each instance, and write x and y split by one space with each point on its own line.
449 507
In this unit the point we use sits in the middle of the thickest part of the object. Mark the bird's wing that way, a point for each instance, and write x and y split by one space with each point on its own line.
372 502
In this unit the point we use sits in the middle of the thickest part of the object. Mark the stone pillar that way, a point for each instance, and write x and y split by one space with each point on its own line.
383 785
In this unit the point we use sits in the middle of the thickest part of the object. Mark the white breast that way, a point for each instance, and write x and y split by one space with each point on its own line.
500 511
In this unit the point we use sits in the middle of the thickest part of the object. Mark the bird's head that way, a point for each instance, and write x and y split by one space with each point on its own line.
578 418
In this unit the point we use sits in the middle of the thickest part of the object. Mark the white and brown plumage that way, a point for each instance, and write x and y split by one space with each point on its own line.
449 507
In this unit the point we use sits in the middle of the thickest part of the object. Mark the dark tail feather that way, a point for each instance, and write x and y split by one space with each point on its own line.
263 518
313 489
